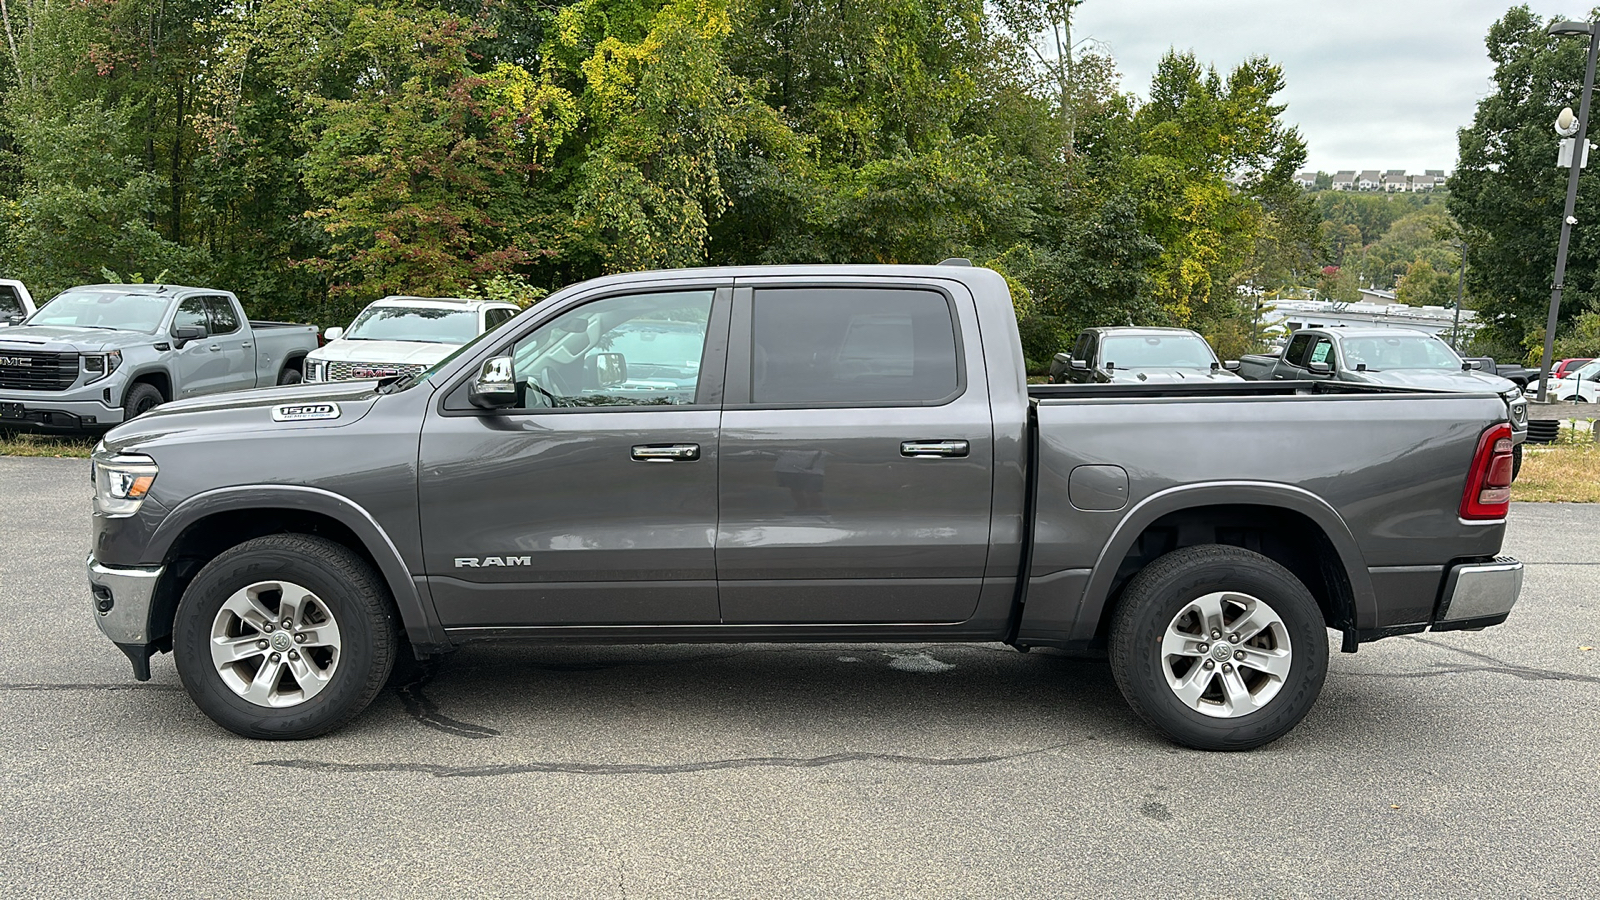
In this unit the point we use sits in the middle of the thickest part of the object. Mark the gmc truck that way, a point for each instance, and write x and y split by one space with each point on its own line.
98 355
846 453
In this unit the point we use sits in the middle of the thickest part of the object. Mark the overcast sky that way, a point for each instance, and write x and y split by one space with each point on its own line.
1373 84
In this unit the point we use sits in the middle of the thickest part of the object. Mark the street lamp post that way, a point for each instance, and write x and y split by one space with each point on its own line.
1580 146
1461 292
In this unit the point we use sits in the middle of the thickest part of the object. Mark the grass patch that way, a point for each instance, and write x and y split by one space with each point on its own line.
1567 471
22 444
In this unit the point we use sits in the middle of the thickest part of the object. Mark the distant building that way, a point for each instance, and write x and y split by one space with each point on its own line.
1436 173
1344 180
1396 181
1307 180
1369 180
1377 297
1421 183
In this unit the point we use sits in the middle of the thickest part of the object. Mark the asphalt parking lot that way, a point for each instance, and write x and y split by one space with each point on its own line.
1436 765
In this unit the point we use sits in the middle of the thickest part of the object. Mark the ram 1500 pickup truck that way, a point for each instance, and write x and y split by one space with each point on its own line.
842 454
101 354
1398 357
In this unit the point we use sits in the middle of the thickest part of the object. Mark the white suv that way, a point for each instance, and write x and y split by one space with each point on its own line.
403 336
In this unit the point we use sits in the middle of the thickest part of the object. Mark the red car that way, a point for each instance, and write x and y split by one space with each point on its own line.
1568 365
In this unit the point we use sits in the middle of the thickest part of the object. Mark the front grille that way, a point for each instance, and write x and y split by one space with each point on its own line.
351 371
37 370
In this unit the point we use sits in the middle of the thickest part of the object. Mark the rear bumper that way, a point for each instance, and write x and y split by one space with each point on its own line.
1477 595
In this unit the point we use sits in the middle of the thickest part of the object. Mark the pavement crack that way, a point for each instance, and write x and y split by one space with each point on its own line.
1495 666
422 708
576 768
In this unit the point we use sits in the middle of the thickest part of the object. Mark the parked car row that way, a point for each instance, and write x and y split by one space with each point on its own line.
1574 380
100 354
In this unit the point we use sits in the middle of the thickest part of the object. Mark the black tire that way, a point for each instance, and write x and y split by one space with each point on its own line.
1155 598
290 376
1516 461
140 399
354 595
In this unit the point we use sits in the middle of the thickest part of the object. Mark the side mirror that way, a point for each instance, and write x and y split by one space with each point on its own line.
603 370
15 319
182 334
496 384
1232 365
1078 365
1361 367
1468 365
1110 366
1319 368
332 333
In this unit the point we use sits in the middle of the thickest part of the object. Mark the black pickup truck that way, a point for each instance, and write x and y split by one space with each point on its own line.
839 454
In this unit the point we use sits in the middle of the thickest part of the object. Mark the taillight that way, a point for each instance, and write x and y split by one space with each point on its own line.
1488 493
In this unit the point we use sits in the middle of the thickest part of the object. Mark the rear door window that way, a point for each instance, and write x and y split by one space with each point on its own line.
852 346
223 319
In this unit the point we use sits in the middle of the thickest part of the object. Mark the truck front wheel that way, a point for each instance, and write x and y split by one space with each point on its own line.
1219 648
285 637
140 399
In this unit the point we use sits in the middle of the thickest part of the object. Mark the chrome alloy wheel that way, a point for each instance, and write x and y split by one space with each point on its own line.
1226 654
275 644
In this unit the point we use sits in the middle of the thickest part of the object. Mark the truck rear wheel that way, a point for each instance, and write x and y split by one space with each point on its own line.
285 637
1219 648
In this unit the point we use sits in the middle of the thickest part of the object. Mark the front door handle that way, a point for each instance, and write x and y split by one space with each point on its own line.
666 452
916 449
215 347
247 345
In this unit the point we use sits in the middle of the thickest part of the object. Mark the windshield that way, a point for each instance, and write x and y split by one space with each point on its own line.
412 323
1157 351
1401 351
113 309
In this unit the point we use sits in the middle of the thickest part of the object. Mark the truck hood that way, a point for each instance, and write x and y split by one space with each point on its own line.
66 339
1437 380
1169 376
401 352
248 411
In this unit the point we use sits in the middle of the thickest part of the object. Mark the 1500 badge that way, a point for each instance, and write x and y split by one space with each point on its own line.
305 412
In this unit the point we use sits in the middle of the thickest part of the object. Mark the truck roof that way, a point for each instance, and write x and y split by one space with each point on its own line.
148 288
1140 329
437 302
1369 331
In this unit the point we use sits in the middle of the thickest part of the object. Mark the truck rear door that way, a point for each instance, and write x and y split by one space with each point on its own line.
856 455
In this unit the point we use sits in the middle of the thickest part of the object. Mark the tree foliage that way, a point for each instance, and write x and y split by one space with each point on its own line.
313 156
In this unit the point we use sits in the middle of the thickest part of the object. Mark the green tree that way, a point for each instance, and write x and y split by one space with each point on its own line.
1507 192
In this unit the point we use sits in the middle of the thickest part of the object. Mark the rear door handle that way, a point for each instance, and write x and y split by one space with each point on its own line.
917 449
666 452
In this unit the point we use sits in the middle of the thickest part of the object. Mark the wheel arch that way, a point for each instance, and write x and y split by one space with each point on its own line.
158 378
203 526
1306 531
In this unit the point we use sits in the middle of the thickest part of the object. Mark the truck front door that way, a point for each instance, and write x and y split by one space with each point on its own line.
857 451
200 366
593 501
230 338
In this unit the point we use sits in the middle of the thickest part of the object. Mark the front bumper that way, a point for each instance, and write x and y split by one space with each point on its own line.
1477 595
53 411
121 600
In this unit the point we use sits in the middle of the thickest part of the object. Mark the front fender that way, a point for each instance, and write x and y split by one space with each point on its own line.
415 607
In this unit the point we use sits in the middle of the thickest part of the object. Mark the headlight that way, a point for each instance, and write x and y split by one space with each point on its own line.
99 365
316 370
121 483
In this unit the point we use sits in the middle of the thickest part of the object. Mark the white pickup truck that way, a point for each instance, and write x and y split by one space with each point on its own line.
16 303
403 336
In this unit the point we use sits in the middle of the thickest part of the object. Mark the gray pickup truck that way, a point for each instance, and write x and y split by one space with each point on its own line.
98 355
845 454
1395 357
